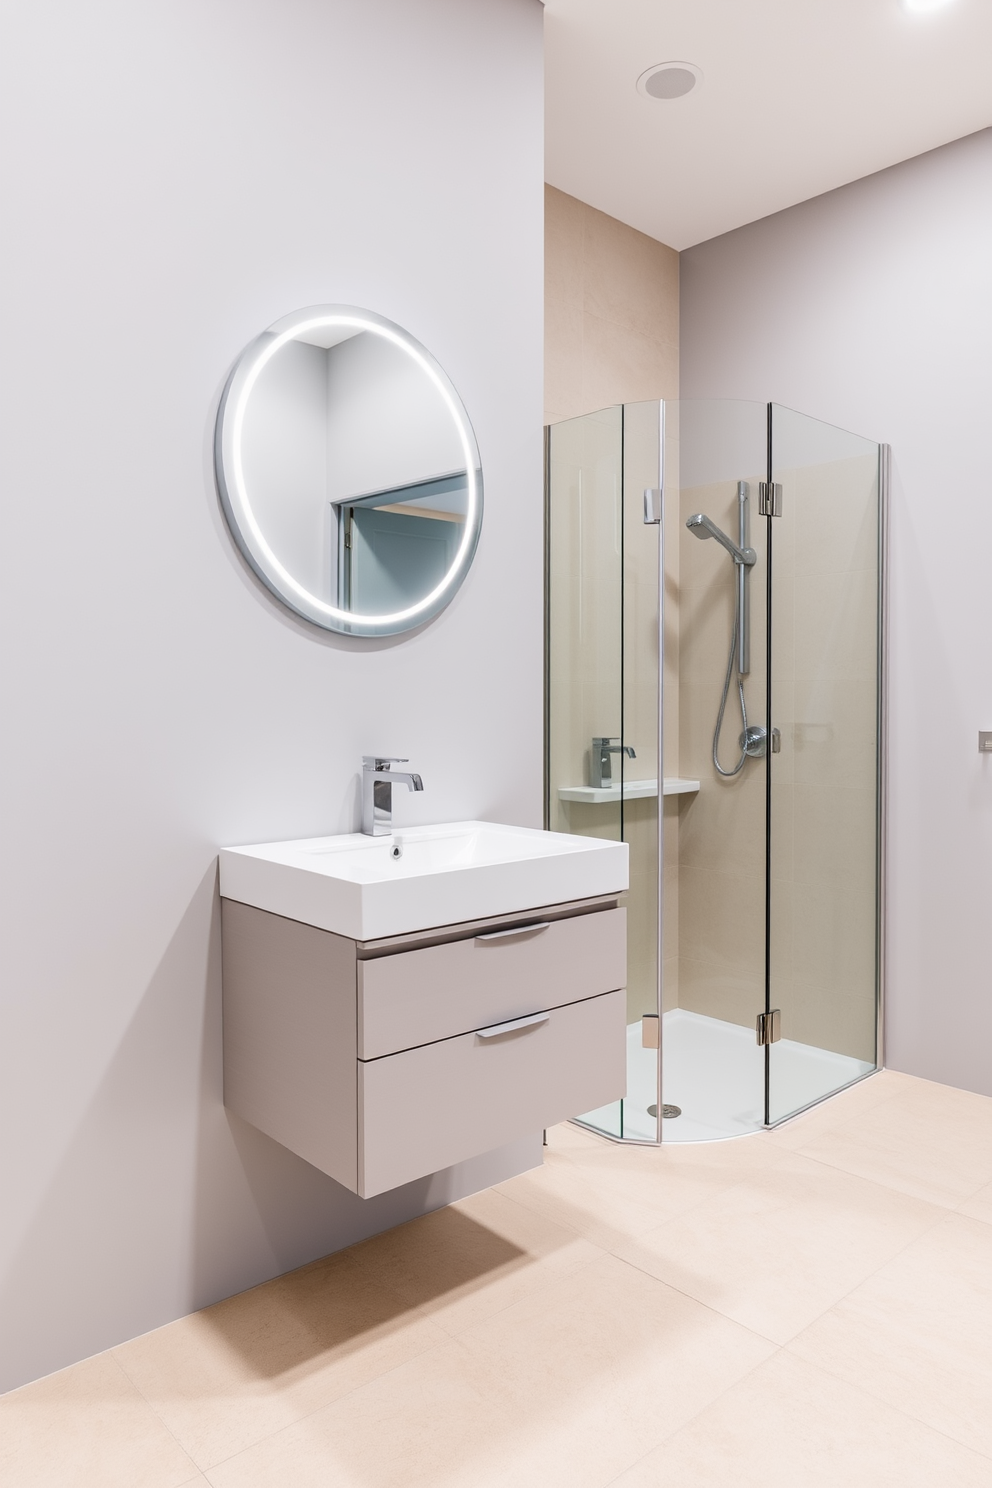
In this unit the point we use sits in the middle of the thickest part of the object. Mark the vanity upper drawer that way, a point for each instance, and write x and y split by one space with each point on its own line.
424 1109
418 997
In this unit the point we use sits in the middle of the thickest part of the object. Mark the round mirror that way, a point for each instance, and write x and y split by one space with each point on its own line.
348 471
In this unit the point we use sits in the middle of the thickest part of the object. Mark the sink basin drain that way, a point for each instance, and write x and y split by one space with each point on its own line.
668 1113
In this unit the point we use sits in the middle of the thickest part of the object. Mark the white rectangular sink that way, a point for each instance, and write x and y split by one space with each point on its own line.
354 886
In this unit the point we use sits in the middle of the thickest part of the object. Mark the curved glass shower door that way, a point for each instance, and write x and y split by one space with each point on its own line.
745 707
824 816
584 641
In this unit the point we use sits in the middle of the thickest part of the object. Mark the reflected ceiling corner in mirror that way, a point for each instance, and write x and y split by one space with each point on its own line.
348 471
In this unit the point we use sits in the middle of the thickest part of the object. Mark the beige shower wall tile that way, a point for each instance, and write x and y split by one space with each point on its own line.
723 826
612 306
835 620
87 1426
721 919
835 732
836 516
630 279
615 357
732 996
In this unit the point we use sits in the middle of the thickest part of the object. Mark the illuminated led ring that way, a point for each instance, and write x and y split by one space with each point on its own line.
234 492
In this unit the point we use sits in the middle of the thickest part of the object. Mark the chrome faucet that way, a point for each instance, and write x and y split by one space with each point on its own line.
601 771
377 792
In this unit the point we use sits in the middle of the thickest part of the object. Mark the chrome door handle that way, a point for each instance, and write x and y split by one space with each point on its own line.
516 930
497 1028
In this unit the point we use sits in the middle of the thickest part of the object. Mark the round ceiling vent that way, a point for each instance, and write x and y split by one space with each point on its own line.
669 80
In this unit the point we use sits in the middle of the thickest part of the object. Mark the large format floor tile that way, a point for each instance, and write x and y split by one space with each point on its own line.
928 1140
610 1193
777 1249
918 1333
810 1306
87 1427
567 1388
234 1373
464 1263
789 1425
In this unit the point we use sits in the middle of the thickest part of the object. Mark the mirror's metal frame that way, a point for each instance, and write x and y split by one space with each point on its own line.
234 497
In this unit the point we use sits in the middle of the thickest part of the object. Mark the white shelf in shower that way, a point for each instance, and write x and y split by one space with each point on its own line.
633 790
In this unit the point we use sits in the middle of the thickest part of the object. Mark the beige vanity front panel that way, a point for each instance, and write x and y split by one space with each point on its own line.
419 997
424 1109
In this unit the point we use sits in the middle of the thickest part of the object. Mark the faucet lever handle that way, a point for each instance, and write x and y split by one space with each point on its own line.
383 761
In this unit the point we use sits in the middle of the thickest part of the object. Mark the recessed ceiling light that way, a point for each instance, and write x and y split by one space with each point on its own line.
669 80
919 7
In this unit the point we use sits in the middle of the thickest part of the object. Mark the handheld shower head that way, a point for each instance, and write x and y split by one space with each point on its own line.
701 526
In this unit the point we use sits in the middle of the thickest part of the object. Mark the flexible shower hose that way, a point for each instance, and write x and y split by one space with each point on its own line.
729 774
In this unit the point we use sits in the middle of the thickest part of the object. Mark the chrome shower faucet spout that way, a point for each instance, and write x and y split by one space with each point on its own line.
377 791
601 759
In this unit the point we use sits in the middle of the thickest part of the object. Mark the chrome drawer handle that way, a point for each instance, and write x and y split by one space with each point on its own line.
516 930
497 1028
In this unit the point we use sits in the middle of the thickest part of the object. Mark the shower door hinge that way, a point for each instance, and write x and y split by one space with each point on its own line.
769 1027
652 506
770 499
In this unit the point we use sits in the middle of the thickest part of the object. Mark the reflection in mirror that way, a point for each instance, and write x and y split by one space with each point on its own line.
349 471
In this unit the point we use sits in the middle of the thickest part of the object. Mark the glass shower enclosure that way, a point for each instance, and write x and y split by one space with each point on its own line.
713 698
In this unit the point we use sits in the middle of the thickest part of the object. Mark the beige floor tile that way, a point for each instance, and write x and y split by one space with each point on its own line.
783 1245
979 1206
918 1333
788 1425
846 1105
463 1263
565 1389
609 1193
228 1376
87 1427
928 1140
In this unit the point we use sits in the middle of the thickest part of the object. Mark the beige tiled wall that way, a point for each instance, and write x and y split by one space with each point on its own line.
824 687
611 312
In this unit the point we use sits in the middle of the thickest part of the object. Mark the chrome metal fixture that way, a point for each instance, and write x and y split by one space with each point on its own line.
601 757
744 558
377 792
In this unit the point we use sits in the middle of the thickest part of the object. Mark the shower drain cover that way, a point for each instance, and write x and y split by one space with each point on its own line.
668 1113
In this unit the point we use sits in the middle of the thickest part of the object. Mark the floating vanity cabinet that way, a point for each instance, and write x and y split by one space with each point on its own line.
382 1061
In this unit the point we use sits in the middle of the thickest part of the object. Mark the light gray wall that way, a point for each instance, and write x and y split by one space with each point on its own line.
176 176
387 423
871 307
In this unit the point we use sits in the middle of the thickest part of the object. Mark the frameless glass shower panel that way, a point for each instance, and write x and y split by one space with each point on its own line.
824 788
715 649
642 789
584 736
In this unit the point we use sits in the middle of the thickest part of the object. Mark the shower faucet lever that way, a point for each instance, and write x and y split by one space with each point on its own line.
603 748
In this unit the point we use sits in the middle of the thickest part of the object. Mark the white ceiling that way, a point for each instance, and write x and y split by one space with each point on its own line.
798 96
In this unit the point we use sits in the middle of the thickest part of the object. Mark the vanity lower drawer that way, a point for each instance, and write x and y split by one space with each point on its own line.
419 997
424 1109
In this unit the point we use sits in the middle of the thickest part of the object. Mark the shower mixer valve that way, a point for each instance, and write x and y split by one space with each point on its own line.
601 760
